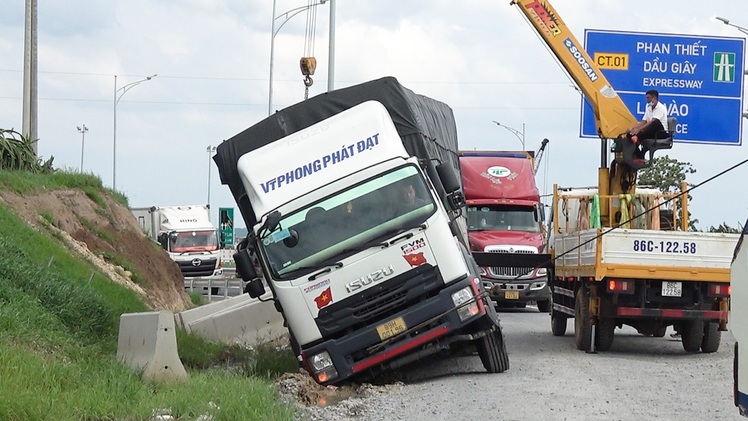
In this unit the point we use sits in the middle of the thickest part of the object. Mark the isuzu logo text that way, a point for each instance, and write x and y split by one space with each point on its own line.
376 276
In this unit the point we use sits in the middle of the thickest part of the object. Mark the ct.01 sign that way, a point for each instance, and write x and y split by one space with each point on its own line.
699 78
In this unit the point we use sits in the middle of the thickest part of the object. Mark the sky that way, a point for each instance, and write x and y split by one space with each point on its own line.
212 58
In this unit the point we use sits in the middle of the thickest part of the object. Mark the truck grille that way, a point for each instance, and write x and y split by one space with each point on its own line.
193 268
509 272
379 301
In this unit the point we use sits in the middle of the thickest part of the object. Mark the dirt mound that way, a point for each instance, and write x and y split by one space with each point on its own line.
106 234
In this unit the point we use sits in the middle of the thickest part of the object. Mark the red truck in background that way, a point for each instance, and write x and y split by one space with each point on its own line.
505 215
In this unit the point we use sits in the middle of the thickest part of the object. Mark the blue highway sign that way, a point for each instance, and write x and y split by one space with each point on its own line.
699 78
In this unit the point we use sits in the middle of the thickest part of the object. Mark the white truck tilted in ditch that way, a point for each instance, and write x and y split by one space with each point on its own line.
187 234
354 205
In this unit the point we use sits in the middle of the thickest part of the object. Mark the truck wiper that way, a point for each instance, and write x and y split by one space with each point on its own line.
328 269
365 246
400 231
327 265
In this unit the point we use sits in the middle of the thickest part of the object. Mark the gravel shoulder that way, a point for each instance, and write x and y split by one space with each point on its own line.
549 379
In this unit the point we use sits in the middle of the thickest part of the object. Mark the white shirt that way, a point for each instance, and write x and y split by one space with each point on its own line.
659 112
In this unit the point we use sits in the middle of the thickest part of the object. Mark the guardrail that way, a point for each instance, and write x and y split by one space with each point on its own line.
215 289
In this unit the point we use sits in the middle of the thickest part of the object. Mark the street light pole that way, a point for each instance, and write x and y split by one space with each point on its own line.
273 32
211 150
727 22
520 135
741 29
117 96
82 129
331 50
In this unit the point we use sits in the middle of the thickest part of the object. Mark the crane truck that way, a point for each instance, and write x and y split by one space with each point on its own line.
609 271
354 204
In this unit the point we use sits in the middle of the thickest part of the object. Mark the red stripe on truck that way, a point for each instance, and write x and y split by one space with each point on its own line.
671 313
369 362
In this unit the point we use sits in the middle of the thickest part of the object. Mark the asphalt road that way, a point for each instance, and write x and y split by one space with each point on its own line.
641 378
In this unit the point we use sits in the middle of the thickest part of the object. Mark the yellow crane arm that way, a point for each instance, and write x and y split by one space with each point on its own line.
612 117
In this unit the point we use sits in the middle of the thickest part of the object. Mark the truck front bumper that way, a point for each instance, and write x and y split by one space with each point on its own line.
520 290
432 323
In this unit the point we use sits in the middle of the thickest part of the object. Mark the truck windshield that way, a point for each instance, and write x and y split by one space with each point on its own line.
190 241
340 224
502 218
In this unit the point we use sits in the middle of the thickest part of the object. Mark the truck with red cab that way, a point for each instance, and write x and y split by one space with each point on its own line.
505 215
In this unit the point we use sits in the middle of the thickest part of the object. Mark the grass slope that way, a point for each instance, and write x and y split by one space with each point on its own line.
58 339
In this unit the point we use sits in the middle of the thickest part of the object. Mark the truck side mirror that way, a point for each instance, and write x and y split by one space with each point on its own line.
448 177
163 239
271 223
456 200
244 265
255 288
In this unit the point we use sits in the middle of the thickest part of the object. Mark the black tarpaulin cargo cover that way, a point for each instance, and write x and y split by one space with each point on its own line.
425 125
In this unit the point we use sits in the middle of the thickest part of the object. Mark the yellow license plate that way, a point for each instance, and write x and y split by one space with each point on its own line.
511 295
391 328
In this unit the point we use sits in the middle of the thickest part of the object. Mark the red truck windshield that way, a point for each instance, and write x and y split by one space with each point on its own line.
502 218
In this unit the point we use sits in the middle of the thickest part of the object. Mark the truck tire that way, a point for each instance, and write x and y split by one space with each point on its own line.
582 327
492 351
712 337
558 324
544 306
692 334
604 334
660 332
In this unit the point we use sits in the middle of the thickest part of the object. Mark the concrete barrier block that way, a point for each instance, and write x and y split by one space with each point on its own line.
186 318
250 324
147 342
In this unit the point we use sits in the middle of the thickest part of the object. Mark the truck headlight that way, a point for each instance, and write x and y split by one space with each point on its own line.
537 285
323 367
541 272
461 297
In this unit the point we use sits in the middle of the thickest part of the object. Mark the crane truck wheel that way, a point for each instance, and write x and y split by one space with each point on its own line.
712 337
692 334
604 334
582 326
492 351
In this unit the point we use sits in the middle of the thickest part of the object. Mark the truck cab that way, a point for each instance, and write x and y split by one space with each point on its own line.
505 215
187 234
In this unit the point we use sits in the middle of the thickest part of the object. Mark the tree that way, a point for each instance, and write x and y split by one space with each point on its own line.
667 174
723 227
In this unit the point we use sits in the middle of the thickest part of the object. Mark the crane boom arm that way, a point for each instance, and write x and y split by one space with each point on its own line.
612 117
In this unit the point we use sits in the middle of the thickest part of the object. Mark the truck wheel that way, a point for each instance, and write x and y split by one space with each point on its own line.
712 337
660 332
692 334
558 325
544 306
492 351
582 330
604 334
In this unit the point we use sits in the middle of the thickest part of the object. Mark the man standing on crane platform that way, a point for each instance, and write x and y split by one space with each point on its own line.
654 121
